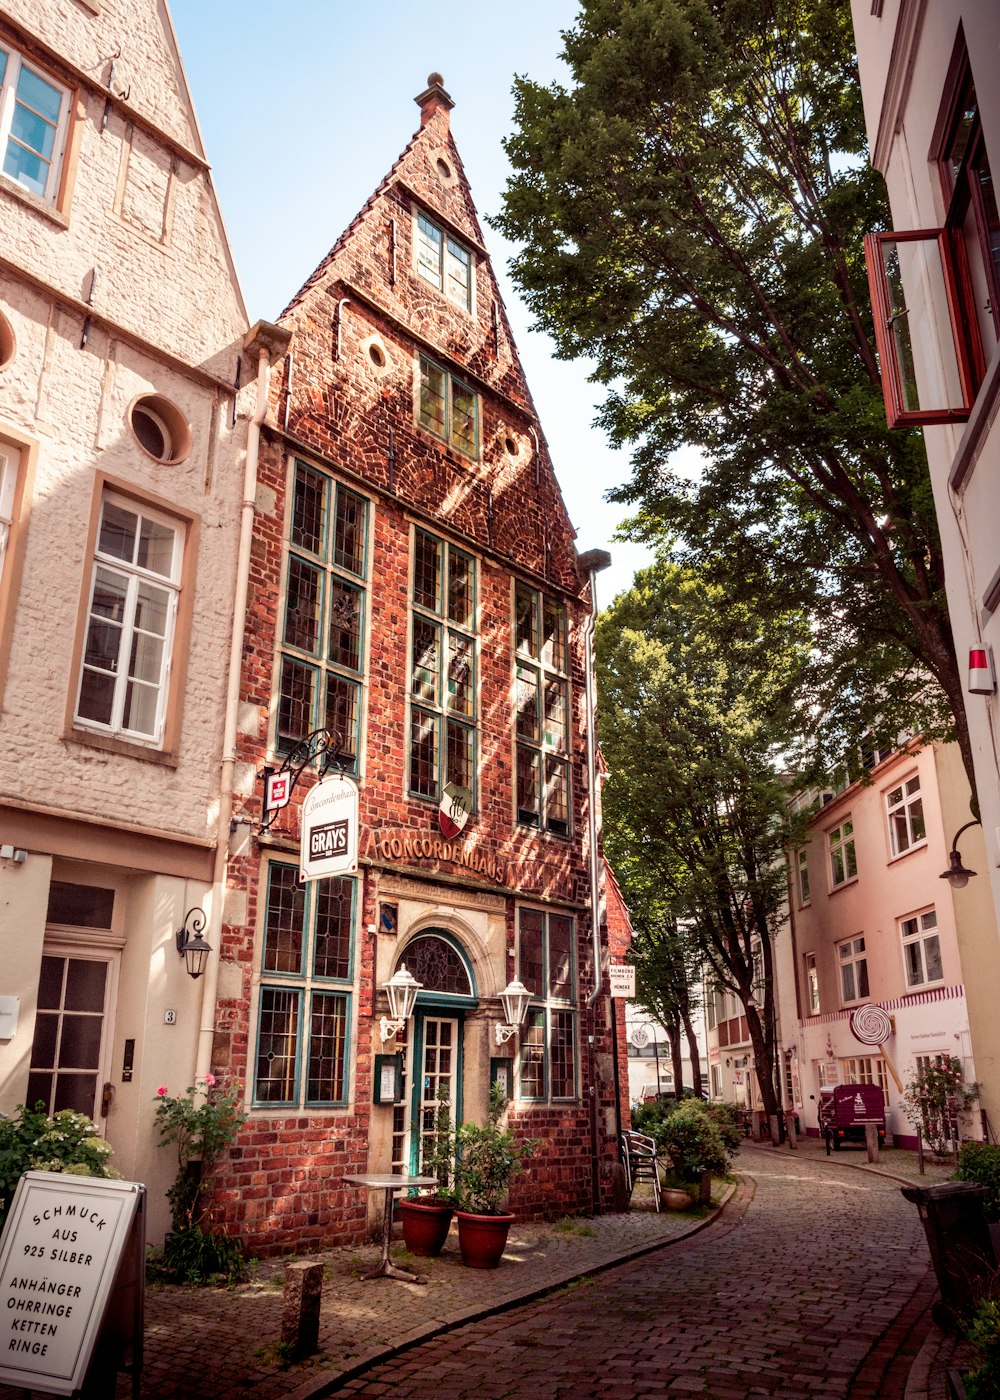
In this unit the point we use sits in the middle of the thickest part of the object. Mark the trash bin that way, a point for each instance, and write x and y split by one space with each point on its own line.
958 1238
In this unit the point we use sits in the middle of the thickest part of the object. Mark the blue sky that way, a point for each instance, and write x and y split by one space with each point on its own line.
304 108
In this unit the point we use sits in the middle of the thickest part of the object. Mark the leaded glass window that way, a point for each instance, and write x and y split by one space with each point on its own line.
542 718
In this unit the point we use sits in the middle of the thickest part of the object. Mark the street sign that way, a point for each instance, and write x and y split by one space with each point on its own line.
621 980
329 829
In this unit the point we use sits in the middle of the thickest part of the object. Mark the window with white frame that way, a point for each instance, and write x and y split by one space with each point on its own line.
323 630
905 809
827 1073
131 618
443 261
812 984
443 689
921 948
304 1007
843 860
716 1081
865 1069
853 969
546 966
802 865
542 719
34 116
448 408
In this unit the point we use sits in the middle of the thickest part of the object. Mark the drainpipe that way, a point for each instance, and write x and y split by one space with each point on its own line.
271 343
592 563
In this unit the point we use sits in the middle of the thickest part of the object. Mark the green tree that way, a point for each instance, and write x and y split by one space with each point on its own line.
691 208
698 714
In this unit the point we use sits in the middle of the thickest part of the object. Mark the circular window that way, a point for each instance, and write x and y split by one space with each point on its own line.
160 428
7 343
510 445
377 355
443 168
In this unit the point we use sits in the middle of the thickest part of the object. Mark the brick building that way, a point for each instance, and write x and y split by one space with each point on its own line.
415 590
121 444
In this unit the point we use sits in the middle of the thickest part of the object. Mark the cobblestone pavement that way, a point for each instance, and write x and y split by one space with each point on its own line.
213 1344
814 1283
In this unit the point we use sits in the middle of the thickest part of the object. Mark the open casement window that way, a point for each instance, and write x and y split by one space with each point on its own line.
131 619
928 343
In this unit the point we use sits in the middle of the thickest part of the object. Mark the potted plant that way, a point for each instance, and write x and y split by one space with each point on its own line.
487 1160
427 1218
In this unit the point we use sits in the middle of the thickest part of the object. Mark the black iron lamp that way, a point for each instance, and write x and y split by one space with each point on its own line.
401 989
190 943
956 874
515 999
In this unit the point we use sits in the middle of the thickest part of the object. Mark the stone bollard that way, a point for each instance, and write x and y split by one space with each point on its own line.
871 1141
790 1133
300 1306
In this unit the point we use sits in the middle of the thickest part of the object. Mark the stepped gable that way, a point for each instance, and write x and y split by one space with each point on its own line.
360 324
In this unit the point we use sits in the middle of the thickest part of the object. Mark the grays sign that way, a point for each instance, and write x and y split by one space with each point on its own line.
329 829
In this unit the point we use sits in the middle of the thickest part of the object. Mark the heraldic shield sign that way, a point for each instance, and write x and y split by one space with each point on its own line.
454 810
329 828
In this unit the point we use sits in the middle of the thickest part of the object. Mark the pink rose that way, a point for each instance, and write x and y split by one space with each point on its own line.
209 1081
162 1091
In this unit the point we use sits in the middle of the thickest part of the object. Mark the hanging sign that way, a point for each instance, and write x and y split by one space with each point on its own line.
621 980
640 1036
454 810
277 790
329 829
63 1243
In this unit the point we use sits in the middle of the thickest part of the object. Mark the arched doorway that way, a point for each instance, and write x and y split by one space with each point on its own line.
433 1059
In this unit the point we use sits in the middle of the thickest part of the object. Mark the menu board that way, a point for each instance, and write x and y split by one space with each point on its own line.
62 1244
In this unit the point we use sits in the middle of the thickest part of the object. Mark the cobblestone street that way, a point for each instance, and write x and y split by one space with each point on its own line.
787 1295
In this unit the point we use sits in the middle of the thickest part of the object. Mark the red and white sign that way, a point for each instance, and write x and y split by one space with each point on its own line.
329 829
982 680
454 810
277 791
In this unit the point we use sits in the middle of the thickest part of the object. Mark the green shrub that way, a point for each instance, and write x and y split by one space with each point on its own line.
198 1257
726 1117
980 1162
694 1141
31 1141
649 1117
983 1381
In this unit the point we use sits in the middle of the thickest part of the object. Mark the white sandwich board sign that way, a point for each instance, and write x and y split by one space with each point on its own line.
62 1244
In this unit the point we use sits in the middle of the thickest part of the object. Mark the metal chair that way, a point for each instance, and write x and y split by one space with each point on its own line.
639 1159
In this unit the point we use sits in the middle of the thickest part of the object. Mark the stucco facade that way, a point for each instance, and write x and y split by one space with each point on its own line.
121 445
932 109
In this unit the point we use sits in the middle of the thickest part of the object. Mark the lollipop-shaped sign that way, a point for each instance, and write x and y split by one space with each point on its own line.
872 1026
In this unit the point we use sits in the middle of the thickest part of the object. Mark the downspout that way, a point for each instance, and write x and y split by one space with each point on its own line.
593 562
268 340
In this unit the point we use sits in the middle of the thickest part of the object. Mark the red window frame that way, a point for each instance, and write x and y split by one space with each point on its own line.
965 337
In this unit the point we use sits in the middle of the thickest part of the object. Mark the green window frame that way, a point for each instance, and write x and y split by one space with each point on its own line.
303 1014
443 746
542 711
546 964
443 261
448 408
322 635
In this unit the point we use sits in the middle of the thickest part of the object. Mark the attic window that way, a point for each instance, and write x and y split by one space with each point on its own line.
443 261
377 355
443 168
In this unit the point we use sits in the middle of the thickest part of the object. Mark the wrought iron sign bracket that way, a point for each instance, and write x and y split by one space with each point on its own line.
279 783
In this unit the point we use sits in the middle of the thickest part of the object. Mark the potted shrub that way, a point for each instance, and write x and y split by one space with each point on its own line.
487 1160
427 1218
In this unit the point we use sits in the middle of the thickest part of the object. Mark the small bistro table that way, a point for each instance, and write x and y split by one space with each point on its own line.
390 1184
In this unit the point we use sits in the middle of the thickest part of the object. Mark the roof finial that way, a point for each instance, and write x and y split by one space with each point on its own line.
433 99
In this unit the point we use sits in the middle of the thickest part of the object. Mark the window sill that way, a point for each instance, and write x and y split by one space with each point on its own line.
901 855
844 884
108 744
34 201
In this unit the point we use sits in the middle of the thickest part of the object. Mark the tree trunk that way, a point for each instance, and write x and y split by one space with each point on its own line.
695 1053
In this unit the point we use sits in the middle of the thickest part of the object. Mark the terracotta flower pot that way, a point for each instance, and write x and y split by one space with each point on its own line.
674 1199
482 1239
425 1226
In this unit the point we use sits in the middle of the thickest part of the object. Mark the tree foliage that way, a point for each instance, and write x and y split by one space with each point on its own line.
698 712
691 207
